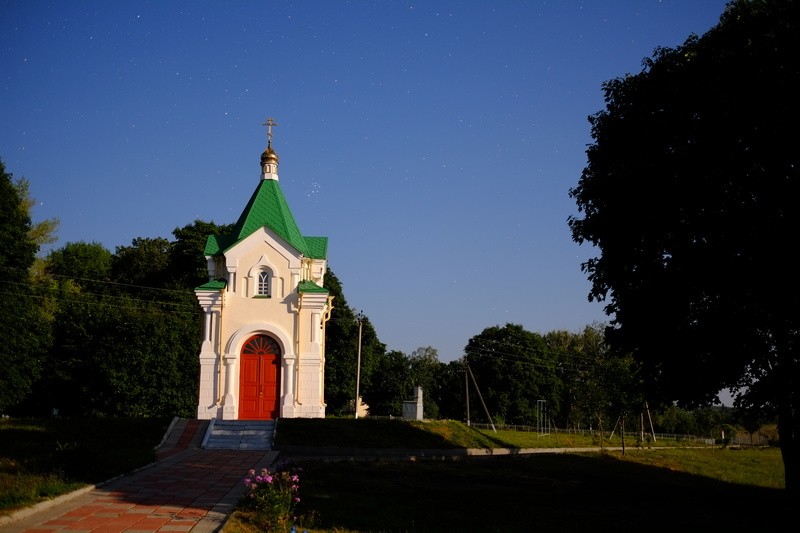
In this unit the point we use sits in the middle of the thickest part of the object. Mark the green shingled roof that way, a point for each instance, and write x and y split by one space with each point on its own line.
310 286
268 207
214 285
317 247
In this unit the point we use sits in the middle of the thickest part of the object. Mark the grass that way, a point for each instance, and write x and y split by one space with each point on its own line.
547 492
438 434
44 458
663 489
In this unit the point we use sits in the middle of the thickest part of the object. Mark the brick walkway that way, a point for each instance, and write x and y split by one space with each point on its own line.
189 489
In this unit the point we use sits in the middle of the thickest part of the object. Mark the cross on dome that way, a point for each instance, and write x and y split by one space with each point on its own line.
269 159
269 123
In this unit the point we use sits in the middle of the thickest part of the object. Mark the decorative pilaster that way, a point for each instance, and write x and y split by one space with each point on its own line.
209 296
229 404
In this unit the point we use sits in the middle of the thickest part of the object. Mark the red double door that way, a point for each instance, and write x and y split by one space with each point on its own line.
259 379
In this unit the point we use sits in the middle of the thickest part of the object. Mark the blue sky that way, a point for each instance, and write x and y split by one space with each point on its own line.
434 143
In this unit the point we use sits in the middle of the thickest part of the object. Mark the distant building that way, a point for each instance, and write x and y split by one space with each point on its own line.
263 349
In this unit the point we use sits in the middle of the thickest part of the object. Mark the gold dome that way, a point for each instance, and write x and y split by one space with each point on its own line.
269 156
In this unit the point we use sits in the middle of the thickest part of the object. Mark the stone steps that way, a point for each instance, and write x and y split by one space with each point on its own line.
239 435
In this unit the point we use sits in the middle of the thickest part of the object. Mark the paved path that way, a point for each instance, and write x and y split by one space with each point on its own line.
192 489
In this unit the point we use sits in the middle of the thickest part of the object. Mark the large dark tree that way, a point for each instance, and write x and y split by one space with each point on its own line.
690 196
25 332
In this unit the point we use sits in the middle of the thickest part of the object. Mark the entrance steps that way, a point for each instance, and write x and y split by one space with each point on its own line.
239 435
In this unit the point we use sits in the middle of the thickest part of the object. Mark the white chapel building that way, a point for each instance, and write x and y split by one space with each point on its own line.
263 350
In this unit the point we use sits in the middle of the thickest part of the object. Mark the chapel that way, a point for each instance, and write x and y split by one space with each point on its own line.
262 355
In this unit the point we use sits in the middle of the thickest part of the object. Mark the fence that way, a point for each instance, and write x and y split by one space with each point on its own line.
743 440
740 439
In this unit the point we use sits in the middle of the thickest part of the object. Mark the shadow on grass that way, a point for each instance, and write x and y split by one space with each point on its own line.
80 450
381 434
495 442
564 492
352 433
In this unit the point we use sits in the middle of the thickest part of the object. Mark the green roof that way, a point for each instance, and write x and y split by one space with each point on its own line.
310 286
317 247
215 285
268 207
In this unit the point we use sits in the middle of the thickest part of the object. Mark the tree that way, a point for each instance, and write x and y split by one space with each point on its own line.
514 370
41 232
87 264
689 195
126 335
145 262
598 384
424 372
341 351
77 275
188 266
449 389
25 329
391 384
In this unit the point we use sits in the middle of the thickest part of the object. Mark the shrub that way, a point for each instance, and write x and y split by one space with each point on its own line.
273 496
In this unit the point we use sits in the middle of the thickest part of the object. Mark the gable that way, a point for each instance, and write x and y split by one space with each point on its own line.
263 242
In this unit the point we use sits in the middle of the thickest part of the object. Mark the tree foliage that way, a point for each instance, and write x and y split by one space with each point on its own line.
514 370
86 264
391 385
43 231
25 326
341 352
187 262
425 369
127 328
689 195
598 384
395 377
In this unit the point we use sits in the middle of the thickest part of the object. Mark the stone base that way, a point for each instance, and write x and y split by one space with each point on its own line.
303 411
207 413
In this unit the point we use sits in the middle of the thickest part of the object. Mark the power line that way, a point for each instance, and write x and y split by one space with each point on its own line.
103 301
100 281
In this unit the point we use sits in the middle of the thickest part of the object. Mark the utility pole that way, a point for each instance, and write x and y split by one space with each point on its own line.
360 319
480 397
466 388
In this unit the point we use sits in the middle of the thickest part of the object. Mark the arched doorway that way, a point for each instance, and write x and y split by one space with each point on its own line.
259 379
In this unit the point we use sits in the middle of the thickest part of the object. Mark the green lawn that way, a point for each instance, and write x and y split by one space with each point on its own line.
439 434
664 489
652 489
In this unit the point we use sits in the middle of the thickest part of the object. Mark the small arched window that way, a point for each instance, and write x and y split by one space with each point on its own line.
262 288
